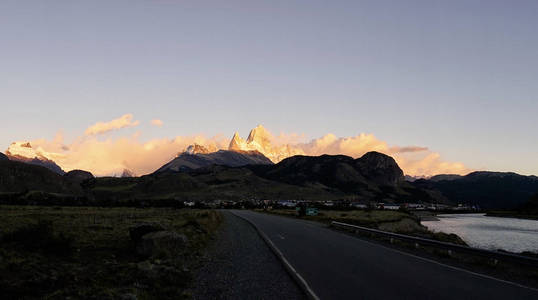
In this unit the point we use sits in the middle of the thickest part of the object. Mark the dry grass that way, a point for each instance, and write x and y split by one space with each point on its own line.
90 253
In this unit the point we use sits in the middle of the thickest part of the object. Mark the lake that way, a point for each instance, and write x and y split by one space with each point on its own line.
492 233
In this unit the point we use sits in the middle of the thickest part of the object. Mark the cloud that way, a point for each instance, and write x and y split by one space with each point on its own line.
111 156
104 127
157 122
430 164
407 149
414 160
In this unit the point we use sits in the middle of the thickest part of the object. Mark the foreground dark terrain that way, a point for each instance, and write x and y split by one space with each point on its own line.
98 253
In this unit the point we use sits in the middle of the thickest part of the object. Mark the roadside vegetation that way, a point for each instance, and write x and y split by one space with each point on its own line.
101 253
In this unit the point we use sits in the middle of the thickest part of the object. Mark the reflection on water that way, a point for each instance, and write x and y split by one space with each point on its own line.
493 233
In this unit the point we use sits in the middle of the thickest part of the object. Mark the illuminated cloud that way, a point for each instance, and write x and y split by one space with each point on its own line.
157 122
111 156
413 160
408 149
104 127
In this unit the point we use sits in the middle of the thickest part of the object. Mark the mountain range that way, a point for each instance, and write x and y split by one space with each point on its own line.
244 172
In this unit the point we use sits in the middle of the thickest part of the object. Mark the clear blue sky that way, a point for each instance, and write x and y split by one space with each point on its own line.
460 77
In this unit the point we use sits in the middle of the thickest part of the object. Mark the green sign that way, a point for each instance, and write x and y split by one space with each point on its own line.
311 211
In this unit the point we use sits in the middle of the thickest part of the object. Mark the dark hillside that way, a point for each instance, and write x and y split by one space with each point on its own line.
489 190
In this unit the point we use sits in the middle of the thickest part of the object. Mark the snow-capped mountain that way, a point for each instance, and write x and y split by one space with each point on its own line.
259 140
24 152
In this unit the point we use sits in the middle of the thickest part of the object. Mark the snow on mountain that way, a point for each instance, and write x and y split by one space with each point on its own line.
259 140
24 152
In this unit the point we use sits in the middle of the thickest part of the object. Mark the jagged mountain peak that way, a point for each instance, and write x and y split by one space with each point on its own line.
260 136
260 139
237 143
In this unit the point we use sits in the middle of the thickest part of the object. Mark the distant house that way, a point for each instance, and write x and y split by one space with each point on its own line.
392 206
288 203
359 205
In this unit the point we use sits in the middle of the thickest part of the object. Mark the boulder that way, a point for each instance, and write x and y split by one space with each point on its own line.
78 175
159 243
137 231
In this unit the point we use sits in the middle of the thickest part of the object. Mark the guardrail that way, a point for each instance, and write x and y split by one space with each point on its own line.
496 255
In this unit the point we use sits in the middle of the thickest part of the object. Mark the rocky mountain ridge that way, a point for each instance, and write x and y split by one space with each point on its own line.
196 157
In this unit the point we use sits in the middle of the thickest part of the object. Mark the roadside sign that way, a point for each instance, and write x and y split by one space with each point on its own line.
311 211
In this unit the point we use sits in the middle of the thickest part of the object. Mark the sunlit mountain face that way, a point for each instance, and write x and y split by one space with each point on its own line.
24 152
260 140
103 155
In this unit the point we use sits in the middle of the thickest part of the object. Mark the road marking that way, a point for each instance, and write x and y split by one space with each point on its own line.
281 236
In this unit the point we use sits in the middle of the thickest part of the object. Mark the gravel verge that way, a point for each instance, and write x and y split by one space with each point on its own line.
239 265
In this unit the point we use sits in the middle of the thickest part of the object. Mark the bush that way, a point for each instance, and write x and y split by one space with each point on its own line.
40 237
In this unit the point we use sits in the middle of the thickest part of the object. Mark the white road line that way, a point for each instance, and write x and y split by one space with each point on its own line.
281 236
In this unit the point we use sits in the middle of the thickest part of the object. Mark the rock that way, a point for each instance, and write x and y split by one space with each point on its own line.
138 230
78 175
159 243
164 274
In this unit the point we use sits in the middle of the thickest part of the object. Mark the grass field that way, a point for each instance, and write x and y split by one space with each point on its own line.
87 252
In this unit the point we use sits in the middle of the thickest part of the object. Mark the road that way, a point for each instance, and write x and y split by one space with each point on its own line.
339 266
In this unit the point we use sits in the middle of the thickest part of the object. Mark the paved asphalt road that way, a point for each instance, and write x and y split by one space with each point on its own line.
340 266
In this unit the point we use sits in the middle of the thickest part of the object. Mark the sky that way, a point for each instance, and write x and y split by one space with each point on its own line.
459 78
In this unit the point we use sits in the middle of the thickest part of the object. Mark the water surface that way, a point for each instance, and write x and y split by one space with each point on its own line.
492 233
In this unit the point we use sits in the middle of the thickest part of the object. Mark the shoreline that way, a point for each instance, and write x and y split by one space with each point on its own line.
511 214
